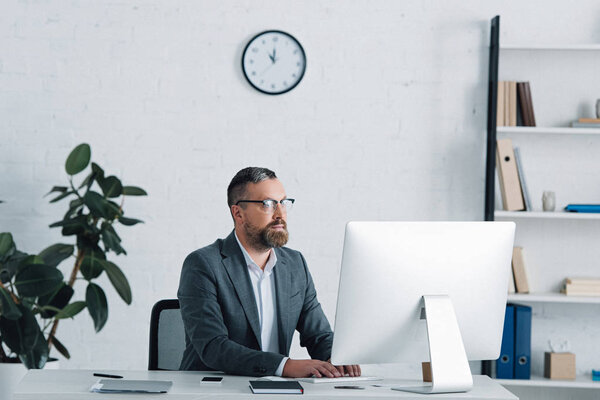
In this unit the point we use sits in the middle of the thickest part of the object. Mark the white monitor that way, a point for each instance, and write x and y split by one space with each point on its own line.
454 274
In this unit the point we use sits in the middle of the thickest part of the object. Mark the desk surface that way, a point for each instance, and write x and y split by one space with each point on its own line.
75 384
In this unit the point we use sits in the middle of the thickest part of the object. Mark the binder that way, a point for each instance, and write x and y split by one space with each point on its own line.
505 364
510 186
522 342
512 103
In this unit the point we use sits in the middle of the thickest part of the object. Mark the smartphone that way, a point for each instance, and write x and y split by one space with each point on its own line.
212 379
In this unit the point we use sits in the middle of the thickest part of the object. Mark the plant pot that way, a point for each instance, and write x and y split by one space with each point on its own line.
12 373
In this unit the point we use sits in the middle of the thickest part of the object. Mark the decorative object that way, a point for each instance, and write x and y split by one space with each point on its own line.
273 62
33 294
548 201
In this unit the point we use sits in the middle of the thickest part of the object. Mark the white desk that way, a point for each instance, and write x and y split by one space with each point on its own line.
75 385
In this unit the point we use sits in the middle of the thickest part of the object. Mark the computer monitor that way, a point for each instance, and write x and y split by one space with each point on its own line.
412 292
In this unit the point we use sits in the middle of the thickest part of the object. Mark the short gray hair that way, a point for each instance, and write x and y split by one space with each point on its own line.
237 187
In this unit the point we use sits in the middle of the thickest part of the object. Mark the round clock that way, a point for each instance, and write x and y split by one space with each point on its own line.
273 62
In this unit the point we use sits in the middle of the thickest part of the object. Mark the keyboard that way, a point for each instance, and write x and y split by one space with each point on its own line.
341 379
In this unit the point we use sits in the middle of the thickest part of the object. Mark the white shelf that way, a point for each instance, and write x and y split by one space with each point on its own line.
547 130
552 298
581 382
544 215
571 47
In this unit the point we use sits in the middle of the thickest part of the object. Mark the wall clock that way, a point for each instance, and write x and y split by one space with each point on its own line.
273 62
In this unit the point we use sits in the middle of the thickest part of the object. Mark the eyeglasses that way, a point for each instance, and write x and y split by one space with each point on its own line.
269 205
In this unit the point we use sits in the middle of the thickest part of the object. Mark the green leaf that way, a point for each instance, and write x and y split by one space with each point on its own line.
61 196
57 300
71 310
97 204
118 280
133 191
91 266
97 306
24 337
111 186
60 348
9 268
112 241
79 159
9 308
7 246
129 221
56 253
37 280
98 173
60 189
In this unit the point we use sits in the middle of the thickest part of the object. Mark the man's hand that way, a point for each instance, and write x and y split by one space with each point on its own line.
350 370
308 368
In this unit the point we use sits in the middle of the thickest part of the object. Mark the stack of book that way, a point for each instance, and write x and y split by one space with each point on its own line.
587 123
514 105
582 287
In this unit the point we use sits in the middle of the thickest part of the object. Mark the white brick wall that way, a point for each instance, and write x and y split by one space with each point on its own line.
388 123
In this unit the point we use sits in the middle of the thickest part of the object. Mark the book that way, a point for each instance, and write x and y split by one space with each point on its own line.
512 103
276 387
531 114
526 197
510 186
589 120
506 104
511 282
524 104
584 281
518 267
500 105
581 290
583 208
585 125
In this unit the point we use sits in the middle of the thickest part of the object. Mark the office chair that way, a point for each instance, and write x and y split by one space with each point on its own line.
167 336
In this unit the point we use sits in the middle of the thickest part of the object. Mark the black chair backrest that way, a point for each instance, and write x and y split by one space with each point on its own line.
167 336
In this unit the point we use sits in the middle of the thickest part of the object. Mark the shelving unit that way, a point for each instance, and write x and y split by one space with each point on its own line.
556 244
580 382
510 215
551 297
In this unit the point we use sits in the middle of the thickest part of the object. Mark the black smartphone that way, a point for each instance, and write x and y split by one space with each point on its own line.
212 379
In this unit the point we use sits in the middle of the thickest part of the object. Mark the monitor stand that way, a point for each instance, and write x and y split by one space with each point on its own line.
450 371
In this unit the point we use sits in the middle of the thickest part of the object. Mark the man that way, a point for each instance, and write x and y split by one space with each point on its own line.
242 297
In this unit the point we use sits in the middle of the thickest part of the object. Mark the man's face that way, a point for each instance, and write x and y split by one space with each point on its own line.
264 228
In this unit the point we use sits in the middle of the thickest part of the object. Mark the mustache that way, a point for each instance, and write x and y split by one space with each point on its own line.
278 222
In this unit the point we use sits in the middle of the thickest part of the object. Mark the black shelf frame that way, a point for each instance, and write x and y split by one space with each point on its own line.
490 161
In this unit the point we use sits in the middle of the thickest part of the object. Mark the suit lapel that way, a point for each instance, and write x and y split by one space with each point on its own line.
236 268
282 287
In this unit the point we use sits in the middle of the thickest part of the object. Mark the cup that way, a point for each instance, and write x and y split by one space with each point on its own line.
548 200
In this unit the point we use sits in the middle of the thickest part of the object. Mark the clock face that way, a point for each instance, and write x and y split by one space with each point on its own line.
273 62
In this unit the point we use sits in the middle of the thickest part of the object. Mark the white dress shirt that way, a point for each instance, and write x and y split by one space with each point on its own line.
263 285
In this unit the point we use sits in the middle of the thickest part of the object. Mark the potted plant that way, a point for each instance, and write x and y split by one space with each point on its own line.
34 295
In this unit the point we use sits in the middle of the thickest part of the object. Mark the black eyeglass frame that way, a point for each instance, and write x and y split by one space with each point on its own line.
264 202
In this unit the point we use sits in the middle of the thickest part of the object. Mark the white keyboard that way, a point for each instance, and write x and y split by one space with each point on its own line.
341 379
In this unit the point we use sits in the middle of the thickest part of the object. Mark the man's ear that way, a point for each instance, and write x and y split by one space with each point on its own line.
236 213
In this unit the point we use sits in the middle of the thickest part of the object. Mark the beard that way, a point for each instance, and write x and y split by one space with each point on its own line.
267 237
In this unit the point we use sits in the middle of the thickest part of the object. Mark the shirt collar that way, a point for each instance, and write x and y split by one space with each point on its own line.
250 262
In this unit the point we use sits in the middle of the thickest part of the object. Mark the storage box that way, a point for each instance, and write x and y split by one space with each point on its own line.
559 365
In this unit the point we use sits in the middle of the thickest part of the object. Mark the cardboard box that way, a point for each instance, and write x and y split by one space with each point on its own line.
559 365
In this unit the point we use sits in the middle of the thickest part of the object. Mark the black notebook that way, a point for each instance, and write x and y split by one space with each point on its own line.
276 387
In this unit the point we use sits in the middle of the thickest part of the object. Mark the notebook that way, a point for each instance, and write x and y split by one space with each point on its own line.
278 387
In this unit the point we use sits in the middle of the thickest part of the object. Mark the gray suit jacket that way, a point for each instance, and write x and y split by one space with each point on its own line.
220 314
